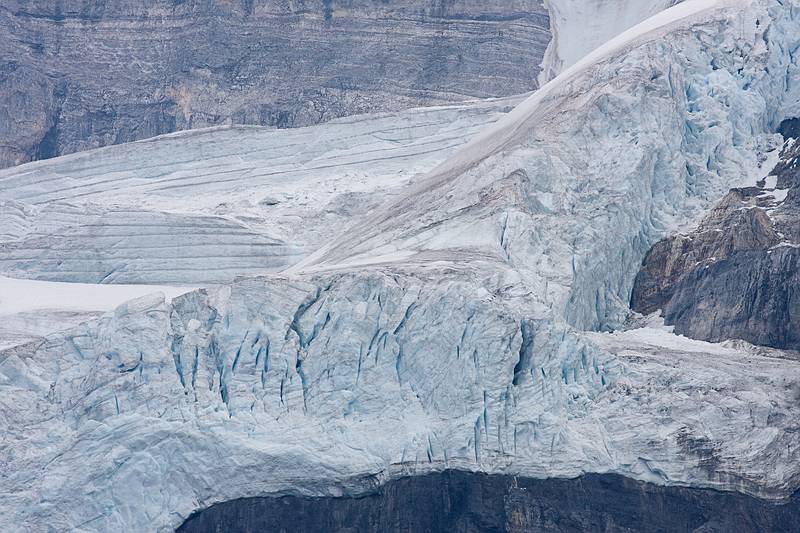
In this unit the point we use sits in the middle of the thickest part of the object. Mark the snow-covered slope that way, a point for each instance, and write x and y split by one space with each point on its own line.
31 309
204 207
580 26
448 329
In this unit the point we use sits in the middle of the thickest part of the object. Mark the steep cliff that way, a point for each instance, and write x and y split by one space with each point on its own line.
476 503
82 74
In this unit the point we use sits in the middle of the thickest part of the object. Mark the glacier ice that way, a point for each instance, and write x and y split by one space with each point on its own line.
573 186
580 26
206 206
459 326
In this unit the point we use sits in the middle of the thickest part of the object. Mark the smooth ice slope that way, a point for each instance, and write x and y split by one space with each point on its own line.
580 26
207 206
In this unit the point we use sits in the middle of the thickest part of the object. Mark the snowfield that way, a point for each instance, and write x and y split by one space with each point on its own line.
580 26
477 320
29 310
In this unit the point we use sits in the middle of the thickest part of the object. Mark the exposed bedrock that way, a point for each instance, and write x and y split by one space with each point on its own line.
78 75
738 274
456 501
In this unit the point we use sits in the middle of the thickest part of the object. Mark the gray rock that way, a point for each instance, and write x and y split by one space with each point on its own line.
737 276
467 502
669 260
78 75
753 295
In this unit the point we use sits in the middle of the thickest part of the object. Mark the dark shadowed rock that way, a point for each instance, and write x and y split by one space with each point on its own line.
669 260
465 502
753 296
790 128
81 74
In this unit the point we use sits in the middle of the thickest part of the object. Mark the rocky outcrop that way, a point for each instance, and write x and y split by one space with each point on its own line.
669 260
77 75
737 275
467 502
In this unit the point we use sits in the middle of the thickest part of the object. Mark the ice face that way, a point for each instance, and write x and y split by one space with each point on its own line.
330 385
446 332
572 187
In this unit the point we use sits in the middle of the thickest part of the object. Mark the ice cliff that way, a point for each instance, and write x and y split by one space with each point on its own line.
457 327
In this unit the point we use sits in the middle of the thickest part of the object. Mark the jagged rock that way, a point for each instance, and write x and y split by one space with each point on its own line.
737 275
669 260
790 128
752 295
82 74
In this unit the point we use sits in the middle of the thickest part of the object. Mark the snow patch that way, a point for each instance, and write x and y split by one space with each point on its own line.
25 296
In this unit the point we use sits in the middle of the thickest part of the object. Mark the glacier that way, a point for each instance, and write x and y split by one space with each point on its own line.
580 26
476 321
243 200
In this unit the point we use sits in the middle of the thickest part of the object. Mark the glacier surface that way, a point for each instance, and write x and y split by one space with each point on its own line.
580 26
458 326
206 206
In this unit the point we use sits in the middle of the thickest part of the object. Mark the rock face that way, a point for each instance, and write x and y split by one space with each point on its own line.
737 275
77 75
457 501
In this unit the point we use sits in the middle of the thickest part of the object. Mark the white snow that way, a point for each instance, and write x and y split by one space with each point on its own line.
23 296
31 310
245 201
580 26
770 182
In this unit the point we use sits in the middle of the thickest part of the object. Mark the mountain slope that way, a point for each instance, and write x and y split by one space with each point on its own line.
448 330
77 75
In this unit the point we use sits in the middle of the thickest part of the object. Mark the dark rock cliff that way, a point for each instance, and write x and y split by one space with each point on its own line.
81 74
464 502
738 275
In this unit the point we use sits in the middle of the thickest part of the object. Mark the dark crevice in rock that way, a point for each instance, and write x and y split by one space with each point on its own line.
457 501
